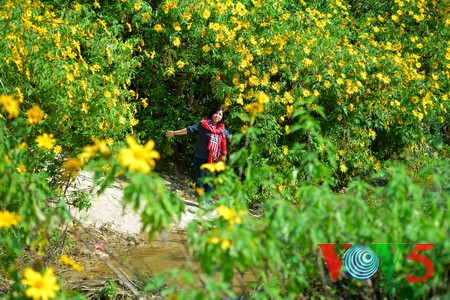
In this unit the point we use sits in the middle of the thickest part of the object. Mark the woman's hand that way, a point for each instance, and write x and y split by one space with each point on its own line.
170 133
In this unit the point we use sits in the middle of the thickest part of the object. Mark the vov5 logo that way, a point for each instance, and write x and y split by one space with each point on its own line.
362 262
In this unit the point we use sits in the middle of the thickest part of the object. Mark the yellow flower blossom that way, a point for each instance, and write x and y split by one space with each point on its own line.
70 168
180 64
57 149
254 108
200 191
35 115
206 48
176 26
138 158
19 94
212 240
343 168
89 151
206 14
176 42
306 93
40 286
146 17
8 219
65 259
214 167
11 105
253 81
262 97
45 141
158 28
21 169
230 214
225 244
170 71
377 166
137 5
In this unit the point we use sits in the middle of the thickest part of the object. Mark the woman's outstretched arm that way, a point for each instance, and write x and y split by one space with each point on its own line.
171 133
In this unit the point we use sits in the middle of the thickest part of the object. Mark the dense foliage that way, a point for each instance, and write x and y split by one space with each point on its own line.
338 111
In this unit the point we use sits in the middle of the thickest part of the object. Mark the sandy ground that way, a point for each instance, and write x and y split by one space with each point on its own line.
107 210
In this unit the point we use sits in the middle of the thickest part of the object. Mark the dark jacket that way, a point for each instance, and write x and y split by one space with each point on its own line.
201 150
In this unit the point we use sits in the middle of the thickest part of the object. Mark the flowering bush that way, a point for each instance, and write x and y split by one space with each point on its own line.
379 71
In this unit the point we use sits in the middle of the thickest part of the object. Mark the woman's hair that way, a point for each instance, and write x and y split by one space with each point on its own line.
216 109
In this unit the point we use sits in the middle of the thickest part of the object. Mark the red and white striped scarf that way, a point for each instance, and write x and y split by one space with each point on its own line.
217 144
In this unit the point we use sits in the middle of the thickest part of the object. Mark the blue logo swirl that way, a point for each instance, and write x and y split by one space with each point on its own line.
361 262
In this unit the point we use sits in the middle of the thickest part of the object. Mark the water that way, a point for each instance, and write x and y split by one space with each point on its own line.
147 260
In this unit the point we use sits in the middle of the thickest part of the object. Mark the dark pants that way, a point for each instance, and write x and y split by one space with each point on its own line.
200 174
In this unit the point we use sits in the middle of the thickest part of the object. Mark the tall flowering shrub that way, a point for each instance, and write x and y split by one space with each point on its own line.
379 71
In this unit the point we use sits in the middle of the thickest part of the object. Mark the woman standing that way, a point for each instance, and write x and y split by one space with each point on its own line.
211 143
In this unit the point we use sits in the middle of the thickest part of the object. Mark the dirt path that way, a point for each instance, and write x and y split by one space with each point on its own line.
107 211
110 245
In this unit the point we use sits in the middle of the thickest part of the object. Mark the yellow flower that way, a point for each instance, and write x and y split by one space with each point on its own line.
146 17
57 149
70 77
230 214
214 167
158 28
253 80
70 168
41 286
200 191
262 97
180 64
137 5
8 219
19 94
176 42
65 259
212 240
170 71
45 141
35 114
225 244
138 158
343 168
306 93
11 105
89 151
21 169
206 48
377 166
206 14
176 26
254 108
